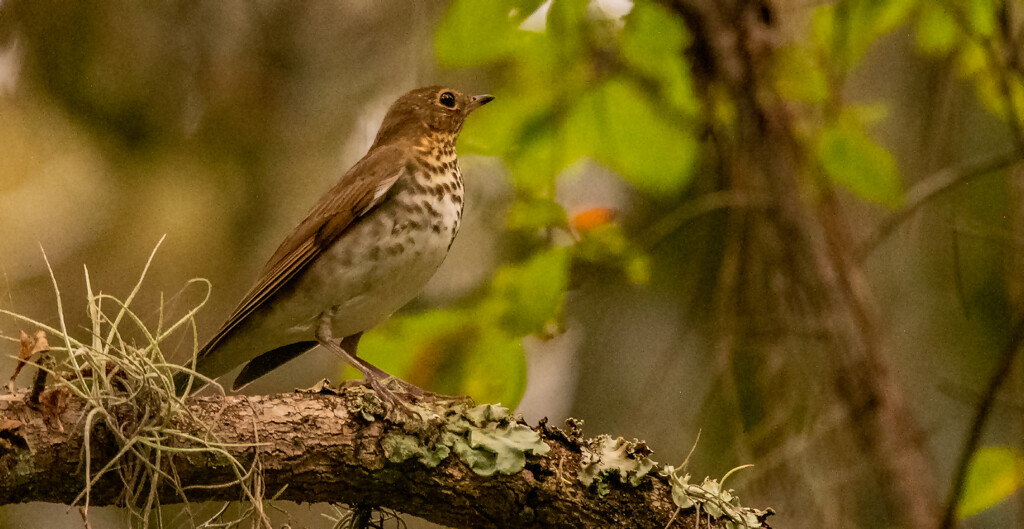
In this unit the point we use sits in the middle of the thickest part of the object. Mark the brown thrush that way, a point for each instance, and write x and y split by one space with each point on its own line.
365 249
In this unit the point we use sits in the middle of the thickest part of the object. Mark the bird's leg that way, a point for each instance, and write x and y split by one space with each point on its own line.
351 344
372 374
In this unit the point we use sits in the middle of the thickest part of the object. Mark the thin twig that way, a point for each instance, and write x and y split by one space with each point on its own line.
927 189
696 208
84 513
985 405
672 520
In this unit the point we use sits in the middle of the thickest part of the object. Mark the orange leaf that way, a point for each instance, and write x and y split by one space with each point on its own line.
589 219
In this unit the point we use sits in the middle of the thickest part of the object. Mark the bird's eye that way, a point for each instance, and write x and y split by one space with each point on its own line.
447 99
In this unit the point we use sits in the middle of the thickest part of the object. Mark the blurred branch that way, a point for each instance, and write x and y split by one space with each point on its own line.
696 208
929 188
981 415
794 262
312 448
1004 62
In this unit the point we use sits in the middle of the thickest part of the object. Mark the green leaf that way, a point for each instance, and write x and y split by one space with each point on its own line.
618 125
473 33
603 244
653 40
981 15
889 14
652 35
846 30
610 246
972 59
567 20
536 213
538 160
851 159
638 269
499 131
531 293
454 352
405 343
936 29
495 369
798 76
993 475
867 114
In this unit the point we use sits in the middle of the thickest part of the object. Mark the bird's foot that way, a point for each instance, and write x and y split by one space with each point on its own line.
431 397
394 399
402 386
418 394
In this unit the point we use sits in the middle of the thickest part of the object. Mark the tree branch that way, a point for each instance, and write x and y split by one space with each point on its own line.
325 447
1002 370
926 190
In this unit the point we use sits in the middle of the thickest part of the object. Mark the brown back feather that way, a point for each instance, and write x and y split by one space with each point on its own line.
357 193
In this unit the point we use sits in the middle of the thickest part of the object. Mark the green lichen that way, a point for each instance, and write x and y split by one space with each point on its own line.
711 498
366 404
400 447
487 438
604 457
360 400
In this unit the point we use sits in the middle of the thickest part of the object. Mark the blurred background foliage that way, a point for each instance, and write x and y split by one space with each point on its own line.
630 255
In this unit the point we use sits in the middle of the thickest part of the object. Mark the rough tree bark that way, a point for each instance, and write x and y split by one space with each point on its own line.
324 452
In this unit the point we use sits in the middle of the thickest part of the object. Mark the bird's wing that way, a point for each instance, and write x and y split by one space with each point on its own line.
269 361
357 193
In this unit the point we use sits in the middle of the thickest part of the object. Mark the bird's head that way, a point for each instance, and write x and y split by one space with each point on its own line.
432 109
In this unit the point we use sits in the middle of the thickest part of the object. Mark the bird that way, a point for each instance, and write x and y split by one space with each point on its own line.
364 250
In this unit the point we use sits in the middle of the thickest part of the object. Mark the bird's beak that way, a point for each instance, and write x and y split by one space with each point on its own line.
476 102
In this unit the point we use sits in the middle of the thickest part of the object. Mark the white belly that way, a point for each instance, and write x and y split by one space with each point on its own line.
376 266
364 287
363 297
